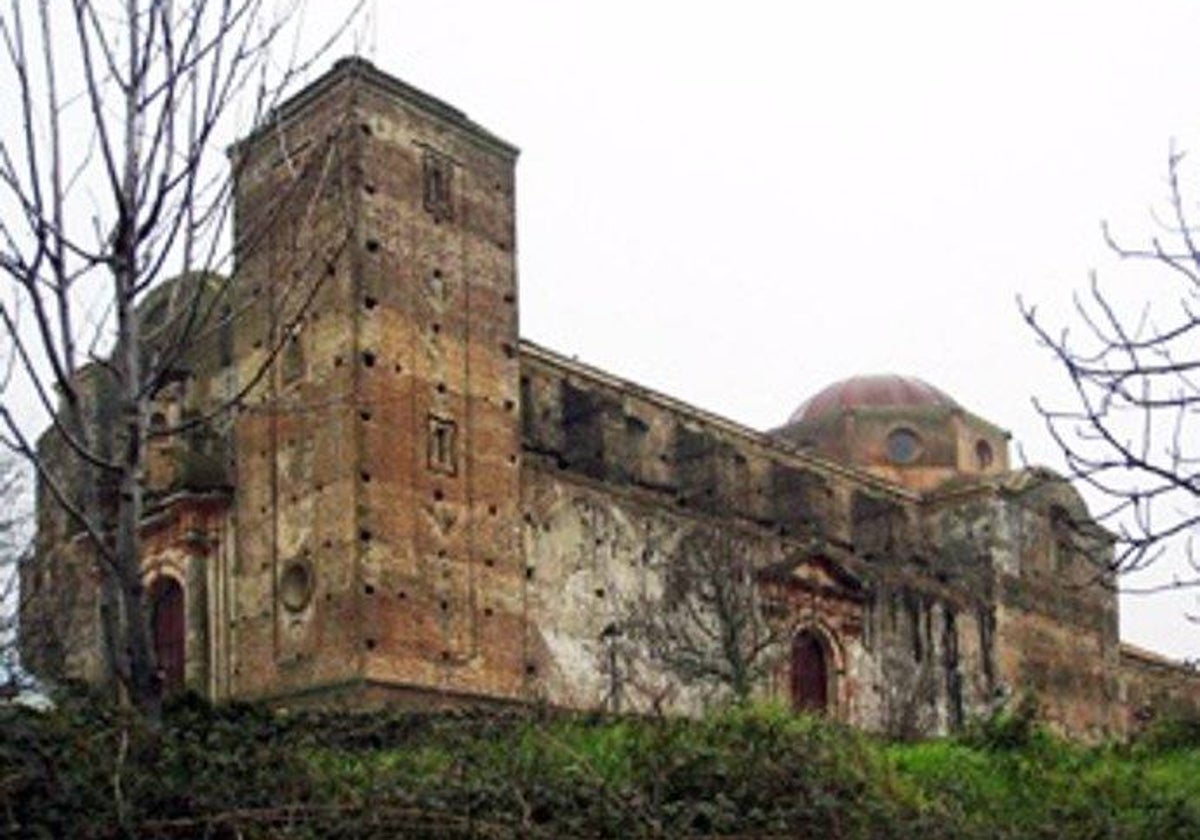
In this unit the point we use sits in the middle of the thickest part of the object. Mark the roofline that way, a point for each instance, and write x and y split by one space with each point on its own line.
1149 657
761 439
359 69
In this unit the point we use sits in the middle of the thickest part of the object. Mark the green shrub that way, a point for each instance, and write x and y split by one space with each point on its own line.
1008 728
243 770
1174 731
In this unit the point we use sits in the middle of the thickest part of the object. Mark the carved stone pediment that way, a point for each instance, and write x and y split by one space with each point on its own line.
818 574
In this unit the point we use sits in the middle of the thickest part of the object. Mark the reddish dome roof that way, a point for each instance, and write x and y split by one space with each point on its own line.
878 391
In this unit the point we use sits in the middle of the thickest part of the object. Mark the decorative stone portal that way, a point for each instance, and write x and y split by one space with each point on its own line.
810 673
167 621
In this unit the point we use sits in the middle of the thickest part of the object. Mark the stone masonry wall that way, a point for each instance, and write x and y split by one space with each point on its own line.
1053 608
615 478
378 466
436 365
292 612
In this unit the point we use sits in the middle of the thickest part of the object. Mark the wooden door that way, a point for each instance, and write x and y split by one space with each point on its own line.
167 621
810 674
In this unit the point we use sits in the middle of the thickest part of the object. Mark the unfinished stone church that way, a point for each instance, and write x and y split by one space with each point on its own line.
414 505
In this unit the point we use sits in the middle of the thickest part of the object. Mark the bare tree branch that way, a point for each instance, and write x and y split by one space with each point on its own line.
1130 431
710 623
126 106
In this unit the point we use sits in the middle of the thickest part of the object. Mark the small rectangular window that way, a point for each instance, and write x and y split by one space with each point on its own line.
439 182
443 453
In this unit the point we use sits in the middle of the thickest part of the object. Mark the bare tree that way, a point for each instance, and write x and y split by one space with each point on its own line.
112 182
1132 431
711 624
15 546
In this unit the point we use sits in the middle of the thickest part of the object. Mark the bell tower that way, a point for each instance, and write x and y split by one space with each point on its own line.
378 538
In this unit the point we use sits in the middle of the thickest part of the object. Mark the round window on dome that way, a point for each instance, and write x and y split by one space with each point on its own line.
903 446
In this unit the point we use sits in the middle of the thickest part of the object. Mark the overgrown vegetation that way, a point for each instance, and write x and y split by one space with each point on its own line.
85 771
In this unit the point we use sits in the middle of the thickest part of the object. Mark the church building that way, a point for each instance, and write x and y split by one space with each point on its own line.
414 505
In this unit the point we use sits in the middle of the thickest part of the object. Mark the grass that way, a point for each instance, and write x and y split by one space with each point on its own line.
759 772
1056 788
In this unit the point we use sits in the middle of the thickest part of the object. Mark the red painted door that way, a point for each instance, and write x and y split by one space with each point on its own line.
810 676
167 622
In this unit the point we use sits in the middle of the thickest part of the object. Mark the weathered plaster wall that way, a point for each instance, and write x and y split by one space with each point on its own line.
1054 609
616 477
927 657
1058 626
598 559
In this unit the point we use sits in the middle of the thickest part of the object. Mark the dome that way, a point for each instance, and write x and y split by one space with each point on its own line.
877 391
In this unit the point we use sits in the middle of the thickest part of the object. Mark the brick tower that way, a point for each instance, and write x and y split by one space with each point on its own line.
376 544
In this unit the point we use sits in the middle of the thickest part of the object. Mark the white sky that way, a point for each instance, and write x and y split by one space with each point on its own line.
740 203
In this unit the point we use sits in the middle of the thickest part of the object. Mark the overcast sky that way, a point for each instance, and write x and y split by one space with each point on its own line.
737 204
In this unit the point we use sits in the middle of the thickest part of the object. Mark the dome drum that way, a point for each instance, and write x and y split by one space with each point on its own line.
899 427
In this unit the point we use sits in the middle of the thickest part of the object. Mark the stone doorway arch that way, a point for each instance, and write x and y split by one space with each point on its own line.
170 631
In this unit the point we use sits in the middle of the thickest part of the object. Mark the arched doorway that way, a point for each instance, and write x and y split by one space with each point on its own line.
167 624
810 673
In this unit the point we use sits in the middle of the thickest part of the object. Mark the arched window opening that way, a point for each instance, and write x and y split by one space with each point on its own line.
167 622
984 456
810 673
